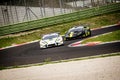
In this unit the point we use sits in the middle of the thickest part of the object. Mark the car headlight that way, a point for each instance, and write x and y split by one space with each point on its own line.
43 42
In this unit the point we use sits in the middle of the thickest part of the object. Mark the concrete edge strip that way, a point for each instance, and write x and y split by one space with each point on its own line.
16 45
94 44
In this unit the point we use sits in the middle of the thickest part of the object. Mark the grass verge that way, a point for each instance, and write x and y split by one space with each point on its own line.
112 36
48 61
94 22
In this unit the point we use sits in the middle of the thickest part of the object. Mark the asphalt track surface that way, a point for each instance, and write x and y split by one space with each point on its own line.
31 53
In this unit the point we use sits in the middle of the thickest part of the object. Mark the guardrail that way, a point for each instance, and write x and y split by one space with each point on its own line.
45 22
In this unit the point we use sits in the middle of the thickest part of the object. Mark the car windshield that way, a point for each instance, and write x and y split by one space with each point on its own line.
50 36
75 30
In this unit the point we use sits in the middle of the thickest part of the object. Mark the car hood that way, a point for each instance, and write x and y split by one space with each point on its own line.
50 41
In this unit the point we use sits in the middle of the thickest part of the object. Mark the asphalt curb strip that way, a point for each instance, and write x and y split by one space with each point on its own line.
67 60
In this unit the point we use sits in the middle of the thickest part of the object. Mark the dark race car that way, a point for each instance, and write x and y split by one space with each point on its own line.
77 32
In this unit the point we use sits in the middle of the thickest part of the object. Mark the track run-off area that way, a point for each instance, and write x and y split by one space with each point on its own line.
31 53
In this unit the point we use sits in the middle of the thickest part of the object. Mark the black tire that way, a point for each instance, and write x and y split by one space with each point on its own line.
65 39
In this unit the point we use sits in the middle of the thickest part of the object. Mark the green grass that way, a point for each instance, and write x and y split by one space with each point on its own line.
93 22
113 36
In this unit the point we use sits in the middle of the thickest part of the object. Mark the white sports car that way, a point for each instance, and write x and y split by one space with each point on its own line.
50 40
